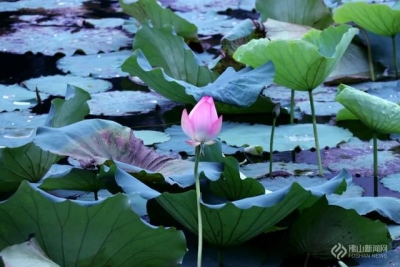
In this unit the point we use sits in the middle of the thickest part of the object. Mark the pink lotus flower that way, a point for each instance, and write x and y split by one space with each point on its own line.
202 124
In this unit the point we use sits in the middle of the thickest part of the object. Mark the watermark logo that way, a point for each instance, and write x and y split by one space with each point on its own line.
339 251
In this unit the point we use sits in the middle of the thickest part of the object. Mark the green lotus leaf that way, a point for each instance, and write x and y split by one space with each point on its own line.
312 13
380 115
144 10
322 227
377 18
88 233
300 64
25 163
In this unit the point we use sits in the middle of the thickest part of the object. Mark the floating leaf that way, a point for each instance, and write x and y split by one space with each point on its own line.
286 138
151 137
49 4
50 40
150 10
312 13
378 114
321 227
27 162
105 66
14 97
177 142
103 233
203 6
321 108
57 84
377 18
17 128
392 182
357 157
122 103
27 254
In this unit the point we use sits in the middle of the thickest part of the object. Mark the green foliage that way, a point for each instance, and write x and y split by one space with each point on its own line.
105 233
312 13
380 115
377 18
322 226
150 10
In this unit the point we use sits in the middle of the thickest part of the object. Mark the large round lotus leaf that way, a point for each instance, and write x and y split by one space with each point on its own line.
287 137
260 170
356 156
151 137
18 128
100 65
50 40
57 84
120 103
101 233
380 115
203 6
300 64
13 97
377 18
282 94
210 22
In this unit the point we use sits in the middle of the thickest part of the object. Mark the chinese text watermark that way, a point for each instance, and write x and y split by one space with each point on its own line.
340 251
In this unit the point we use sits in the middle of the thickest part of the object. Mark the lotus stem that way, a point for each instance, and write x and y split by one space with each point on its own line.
315 133
396 67
306 261
292 107
198 194
370 62
271 146
375 164
96 195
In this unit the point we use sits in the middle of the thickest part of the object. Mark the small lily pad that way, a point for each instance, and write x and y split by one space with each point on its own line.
57 84
210 22
259 170
177 142
13 97
121 103
321 108
287 137
392 182
106 22
356 156
100 65
50 40
151 137
18 127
